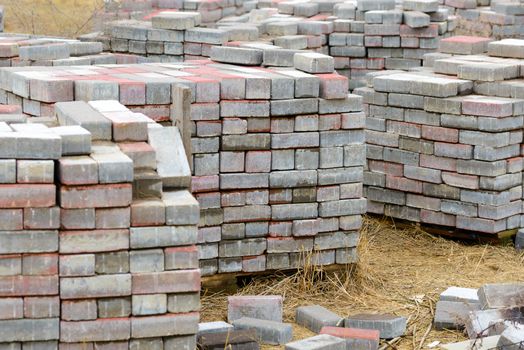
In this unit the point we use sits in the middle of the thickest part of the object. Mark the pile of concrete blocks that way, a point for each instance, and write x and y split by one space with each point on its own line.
495 316
98 255
169 36
136 86
444 142
277 154
277 167
211 11
377 35
499 19
363 36
20 50
29 258
262 316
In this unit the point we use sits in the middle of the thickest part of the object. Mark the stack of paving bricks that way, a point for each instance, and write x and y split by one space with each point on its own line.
211 10
170 36
137 86
98 255
292 136
377 35
364 36
18 50
278 158
500 19
29 287
444 144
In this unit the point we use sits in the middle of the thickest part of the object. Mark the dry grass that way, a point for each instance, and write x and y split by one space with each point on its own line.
401 271
68 18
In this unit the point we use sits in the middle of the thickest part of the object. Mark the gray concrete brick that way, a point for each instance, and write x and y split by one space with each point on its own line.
502 295
315 317
172 164
390 326
267 307
318 342
453 314
269 332
23 330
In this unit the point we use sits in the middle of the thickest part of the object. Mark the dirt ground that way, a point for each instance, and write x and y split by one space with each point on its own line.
401 271
68 18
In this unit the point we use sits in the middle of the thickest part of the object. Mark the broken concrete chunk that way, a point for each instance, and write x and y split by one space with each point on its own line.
484 323
502 295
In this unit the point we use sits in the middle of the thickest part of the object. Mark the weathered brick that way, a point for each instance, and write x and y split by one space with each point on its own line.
95 286
99 330
166 282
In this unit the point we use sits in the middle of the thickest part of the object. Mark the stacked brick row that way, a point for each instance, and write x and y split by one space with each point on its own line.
377 35
101 256
278 167
146 93
138 281
211 11
171 36
363 36
18 50
498 20
444 145
30 219
252 122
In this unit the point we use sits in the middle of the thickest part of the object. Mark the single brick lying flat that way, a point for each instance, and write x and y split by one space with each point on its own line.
311 62
318 342
234 340
236 55
75 139
460 294
453 314
487 343
268 307
81 113
513 48
214 327
176 20
268 332
464 45
389 326
501 295
356 339
314 317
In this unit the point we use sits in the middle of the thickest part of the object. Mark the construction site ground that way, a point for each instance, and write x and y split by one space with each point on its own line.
401 270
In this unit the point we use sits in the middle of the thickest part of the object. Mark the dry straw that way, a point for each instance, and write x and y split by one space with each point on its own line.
400 271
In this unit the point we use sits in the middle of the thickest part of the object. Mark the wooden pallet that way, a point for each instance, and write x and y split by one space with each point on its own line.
456 233
232 281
